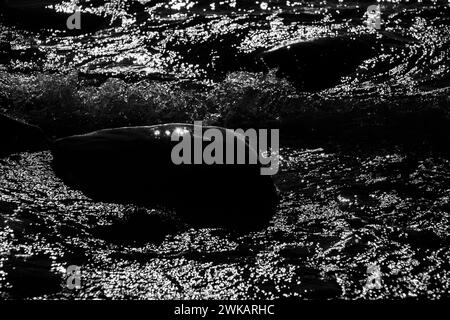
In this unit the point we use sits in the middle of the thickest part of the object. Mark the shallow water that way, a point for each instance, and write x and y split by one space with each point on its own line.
370 222
346 221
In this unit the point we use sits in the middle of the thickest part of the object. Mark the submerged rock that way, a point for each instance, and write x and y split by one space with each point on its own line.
134 165
18 136
320 63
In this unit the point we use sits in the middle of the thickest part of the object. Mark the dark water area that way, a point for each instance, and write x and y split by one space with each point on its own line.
364 117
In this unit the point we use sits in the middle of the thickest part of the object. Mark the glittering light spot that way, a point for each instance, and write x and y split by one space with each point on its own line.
343 199
181 131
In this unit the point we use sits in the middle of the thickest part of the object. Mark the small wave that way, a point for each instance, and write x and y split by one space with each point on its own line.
68 104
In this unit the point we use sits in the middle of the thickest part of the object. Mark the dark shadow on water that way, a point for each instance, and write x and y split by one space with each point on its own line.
34 16
138 228
31 276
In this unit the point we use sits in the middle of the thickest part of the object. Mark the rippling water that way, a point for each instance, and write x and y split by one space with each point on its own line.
350 218
341 214
206 39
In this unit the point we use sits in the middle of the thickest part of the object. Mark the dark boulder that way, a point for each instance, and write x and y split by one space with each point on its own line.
320 63
18 136
134 166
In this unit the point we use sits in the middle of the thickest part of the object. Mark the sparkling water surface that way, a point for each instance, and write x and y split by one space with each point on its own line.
365 221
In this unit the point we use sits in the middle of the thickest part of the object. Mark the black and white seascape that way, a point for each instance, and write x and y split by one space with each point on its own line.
233 149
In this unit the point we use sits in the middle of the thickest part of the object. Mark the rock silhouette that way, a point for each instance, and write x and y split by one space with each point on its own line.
134 165
320 63
18 136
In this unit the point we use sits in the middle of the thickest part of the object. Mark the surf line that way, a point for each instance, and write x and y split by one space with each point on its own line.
227 147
